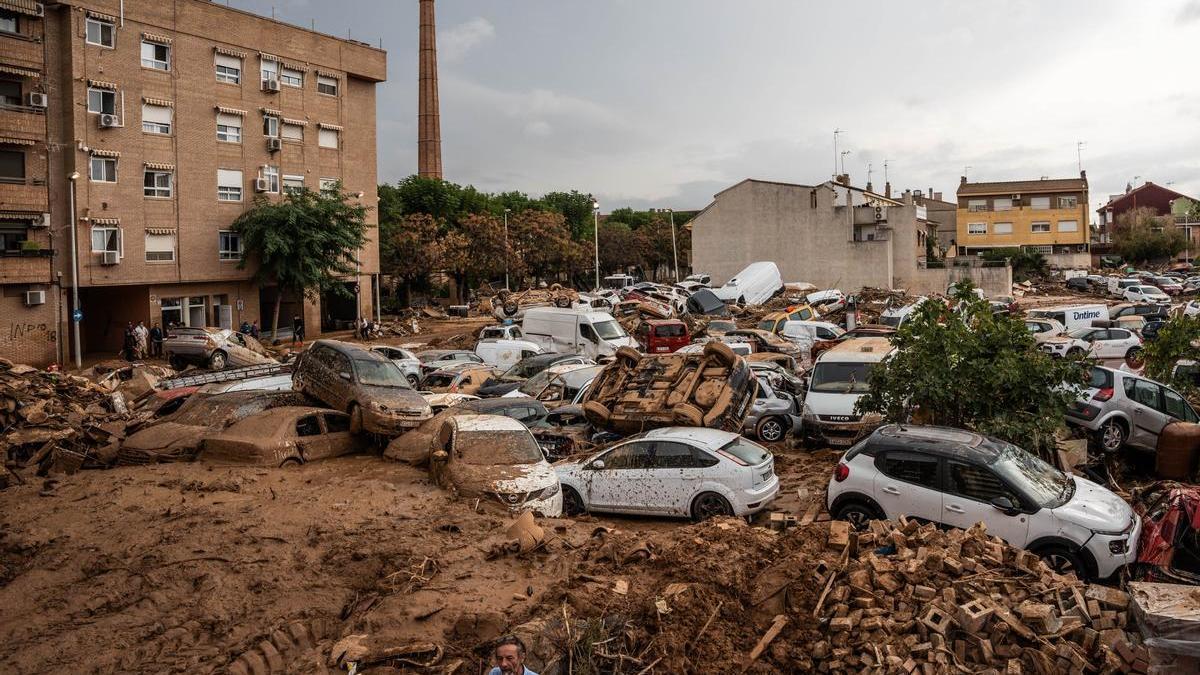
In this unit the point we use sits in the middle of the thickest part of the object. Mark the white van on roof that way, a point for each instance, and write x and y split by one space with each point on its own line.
753 285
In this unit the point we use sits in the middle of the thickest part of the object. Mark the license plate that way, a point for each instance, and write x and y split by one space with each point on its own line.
764 477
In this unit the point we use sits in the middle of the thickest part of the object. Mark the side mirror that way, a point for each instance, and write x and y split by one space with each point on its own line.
1006 505
440 457
597 465
344 376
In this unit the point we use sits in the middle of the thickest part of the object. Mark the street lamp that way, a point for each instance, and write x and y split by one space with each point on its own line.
596 237
506 212
75 309
674 251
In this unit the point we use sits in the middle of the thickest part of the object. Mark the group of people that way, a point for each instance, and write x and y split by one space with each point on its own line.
142 342
250 328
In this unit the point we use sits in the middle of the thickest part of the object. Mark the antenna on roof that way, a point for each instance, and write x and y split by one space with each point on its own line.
1079 153
836 132
967 170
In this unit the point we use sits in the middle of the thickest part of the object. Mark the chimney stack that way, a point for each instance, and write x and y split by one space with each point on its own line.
887 189
429 126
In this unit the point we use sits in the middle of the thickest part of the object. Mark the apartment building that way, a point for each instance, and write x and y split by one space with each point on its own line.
1048 215
173 116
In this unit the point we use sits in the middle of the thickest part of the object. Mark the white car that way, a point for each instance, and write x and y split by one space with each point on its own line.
1097 343
827 301
1192 308
958 478
674 471
1043 329
509 331
1145 294
409 364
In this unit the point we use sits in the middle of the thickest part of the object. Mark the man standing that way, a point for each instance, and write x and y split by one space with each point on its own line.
156 341
143 339
254 329
509 656
297 329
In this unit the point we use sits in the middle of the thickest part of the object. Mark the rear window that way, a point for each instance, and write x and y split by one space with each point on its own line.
1101 379
439 380
670 330
910 468
747 452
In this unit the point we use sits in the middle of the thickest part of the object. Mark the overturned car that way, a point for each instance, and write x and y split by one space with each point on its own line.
512 304
714 388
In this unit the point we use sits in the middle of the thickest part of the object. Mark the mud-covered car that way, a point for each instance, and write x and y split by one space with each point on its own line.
362 383
460 378
512 304
713 388
566 431
287 436
765 341
496 459
215 348
414 447
514 377
1169 546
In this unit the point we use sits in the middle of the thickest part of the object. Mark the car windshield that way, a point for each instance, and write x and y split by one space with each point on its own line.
1048 486
534 385
380 374
721 326
438 381
749 452
893 321
524 369
841 378
492 448
609 330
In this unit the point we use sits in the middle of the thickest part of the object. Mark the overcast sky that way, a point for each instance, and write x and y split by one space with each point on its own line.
661 103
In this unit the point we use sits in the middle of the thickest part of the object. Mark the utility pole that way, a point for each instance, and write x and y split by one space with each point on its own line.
76 310
836 132
506 212
674 251
596 237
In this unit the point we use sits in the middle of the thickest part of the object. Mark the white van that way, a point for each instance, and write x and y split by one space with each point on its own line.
575 331
1117 285
503 353
508 331
617 281
1073 316
839 378
896 316
753 285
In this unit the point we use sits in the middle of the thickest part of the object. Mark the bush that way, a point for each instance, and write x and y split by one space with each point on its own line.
1173 342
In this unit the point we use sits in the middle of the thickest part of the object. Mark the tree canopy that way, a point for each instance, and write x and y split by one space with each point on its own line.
1141 236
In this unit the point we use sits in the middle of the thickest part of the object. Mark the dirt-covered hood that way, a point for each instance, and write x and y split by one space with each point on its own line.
397 398
1096 508
504 479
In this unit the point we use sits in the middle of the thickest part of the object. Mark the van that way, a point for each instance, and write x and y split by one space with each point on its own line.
839 378
571 331
663 336
617 281
753 285
896 316
1117 285
504 354
1074 316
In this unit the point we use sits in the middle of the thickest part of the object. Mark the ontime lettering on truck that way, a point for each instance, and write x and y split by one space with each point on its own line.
1073 316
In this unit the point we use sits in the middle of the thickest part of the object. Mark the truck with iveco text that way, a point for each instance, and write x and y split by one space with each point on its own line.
1073 316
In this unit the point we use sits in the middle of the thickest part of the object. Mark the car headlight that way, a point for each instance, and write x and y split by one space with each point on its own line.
550 491
377 406
806 411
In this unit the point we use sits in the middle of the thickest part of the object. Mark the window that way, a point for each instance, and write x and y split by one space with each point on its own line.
976 228
293 184
229 128
336 423
229 185
1068 226
328 138
292 132
10 92
1040 227
104 169
156 119
271 126
327 85
1001 228
106 238
156 183
229 69
291 77
12 238
308 426
1002 204
1068 202
270 70
1044 250
156 56
229 245
12 166
100 33
160 247
1039 203
271 173
329 184
1177 407
9 22
910 468
977 205
976 482
629 456
102 101
1143 392
669 455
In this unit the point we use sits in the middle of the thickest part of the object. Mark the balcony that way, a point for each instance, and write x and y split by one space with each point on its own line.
23 122
24 194
21 51
25 267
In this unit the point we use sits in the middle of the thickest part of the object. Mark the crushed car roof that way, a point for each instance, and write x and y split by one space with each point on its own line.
487 423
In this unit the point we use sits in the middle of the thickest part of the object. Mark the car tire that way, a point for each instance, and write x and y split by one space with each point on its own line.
413 380
291 463
628 356
1133 356
217 361
510 308
177 362
1064 561
721 353
1111 436
858 514
771 429
503 294
1074 351
562 302
710 505
597 413
688 415
356 418
572 503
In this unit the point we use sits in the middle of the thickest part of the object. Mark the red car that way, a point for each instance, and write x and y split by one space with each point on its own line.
663 336
1169 546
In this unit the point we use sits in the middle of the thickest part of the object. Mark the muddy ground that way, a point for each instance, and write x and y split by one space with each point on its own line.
183 567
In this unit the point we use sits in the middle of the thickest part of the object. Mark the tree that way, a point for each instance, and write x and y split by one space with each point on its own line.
1026 263
576 208
306 242
619 248
474 250
541 245
1175 340
972 369
1140 236
420 194
414 250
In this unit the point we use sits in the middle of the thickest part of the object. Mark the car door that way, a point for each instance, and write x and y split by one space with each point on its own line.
311 442
338 439
969 491
1149 418
672 479
341 389
621 484
1102 344
908 483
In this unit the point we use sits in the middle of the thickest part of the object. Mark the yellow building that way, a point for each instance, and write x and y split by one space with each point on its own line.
1048 215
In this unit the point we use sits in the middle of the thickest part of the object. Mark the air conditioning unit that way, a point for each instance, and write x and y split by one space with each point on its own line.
37 99
109 121
1016 198
274 145
110 257
33 298
270 84
44 221
261 185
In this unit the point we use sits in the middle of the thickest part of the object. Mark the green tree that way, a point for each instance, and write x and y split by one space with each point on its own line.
306 243
474 250
975 370
1140 236
413 251
1026 263
576 208
1176 339
439 198
541 246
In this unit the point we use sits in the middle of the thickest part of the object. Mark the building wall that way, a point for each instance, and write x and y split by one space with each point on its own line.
28 334
1022 220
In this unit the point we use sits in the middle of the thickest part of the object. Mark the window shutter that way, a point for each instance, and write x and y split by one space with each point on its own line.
156 113
229 61
229 178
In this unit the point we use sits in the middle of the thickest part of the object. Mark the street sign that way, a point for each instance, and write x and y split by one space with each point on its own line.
77 315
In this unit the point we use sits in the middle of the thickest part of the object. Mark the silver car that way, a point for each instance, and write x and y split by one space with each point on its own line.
409 364
214 348
1121 408
773 414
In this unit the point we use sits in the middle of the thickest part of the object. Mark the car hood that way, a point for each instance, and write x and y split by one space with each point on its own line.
166 435
1058 340
828 403
504 479
396 398
1095 507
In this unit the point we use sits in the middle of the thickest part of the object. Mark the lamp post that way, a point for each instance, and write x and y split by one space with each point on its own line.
674 250
74 176
506 212
596 237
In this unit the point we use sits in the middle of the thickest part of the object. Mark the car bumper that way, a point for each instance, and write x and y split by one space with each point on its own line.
757 498
383 423
1113 551
839 434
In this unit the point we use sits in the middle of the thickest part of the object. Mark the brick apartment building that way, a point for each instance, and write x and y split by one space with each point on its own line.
1047 215
175 115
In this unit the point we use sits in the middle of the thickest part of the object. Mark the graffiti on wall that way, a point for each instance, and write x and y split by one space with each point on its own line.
23 330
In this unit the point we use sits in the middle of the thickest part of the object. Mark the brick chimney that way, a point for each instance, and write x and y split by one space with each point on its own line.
887 189
429 126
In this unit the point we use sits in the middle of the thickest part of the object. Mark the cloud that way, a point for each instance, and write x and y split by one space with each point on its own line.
455 42
1190 11
540 128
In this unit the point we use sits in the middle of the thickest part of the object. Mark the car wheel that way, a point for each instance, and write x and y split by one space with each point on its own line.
688 415
628 356
413 380
177 362
1064 561
1133 356
1074 351
857 514
356 420
710 505
770 429
597 413
572 503
721 353
291 463
563 302
217 361
1111 436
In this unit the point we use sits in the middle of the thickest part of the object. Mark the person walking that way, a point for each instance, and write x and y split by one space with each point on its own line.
297 329
254 329
130 344
156 341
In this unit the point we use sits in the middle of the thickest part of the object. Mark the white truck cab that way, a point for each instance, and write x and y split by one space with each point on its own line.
504 354
508 331
575 331
839 378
